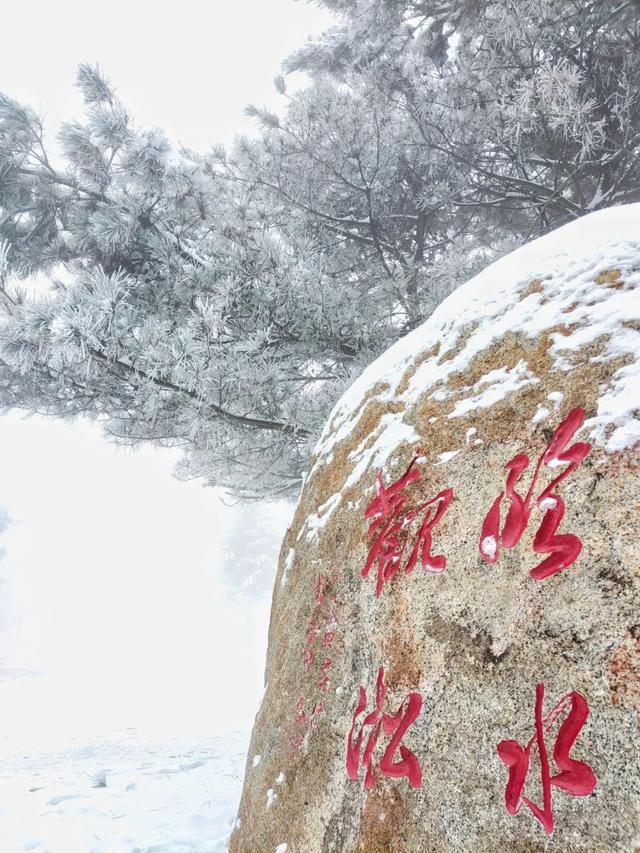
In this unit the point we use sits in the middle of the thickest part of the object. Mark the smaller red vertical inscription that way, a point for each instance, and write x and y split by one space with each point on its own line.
562 549
316 661
389 528
574 777
394 727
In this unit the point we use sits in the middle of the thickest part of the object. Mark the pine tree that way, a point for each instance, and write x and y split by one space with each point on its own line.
249 552
222 302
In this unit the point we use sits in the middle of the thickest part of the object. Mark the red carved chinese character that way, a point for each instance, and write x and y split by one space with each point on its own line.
394 727
318 708
308 654
299 722
324 679
563 549
321 585
574 777
388 528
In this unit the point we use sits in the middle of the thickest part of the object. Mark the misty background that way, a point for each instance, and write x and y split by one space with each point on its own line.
128 598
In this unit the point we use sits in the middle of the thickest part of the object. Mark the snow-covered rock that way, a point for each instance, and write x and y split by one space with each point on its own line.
541 336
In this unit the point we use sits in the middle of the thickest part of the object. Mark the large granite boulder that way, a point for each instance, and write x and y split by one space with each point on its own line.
488 697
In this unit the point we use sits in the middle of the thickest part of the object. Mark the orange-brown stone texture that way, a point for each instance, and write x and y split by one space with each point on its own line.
491 374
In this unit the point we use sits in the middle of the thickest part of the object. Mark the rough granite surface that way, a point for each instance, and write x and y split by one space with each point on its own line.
491 374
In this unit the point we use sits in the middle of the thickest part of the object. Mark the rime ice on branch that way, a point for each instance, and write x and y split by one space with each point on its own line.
575 777
563 549
393 726
389 528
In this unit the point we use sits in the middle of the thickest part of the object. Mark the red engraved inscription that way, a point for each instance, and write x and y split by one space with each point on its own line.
574 777
324 679
394 727
308 653
562 548
321 585
299 725
317 663
389 528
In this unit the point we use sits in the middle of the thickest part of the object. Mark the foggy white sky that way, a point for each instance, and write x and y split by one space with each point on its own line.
189 67
112 578
112 586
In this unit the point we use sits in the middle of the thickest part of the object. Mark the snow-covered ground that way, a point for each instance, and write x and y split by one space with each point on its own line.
165 792
133 624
